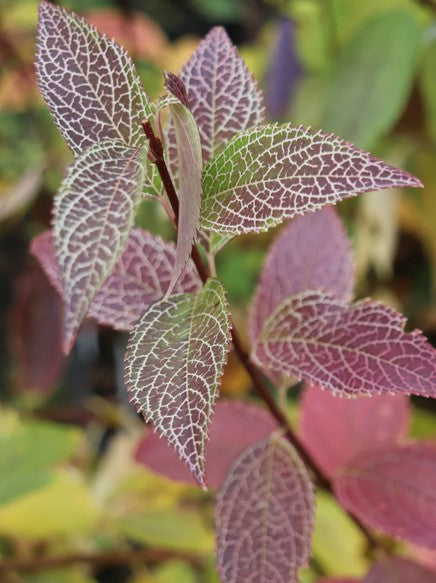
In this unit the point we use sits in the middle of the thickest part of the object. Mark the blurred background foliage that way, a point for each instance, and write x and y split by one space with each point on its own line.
69 487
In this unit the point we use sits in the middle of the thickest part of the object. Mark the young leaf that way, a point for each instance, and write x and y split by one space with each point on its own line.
359 424
268 174
312 252
264 516
140 278
189 166
94 211
233 426
393 488
174 361
399 570
88 82
350 350
223 96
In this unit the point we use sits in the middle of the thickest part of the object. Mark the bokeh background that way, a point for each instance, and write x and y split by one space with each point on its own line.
69 485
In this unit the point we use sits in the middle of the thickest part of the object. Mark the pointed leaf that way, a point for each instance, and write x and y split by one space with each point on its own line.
351 350
268 174
264 516
140 278
399 570
234 426
88 81
357 424
174 362
393 488
312 252
94 211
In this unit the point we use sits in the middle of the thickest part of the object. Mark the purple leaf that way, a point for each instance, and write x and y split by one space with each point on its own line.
264 516
265 175
399 570
350 350
140 278
234 426
88 81
283 71
173 365
334 430
223 96
94 211
312 252
189 165
393 489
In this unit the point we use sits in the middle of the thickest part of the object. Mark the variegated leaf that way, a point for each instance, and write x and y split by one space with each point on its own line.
351 350
94 211
393 489
234 426
88 81
399 570
334 430
312 252
268 174
264 516
140 278
174 362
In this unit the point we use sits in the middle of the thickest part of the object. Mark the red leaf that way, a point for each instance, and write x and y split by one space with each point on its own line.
357 349
335 430
264 516
399 570
234 426
393 489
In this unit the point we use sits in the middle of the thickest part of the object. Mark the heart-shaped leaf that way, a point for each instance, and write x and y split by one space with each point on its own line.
264 515
94 211
88 81
399 570
174 362
359 424
393 488
265 175
348 349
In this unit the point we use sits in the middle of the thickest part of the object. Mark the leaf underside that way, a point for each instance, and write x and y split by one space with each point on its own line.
348 349
399 570
173 365
264 516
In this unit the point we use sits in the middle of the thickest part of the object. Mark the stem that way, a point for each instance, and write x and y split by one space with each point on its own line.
257 378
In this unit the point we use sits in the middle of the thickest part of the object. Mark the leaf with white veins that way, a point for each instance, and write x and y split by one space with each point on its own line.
173 365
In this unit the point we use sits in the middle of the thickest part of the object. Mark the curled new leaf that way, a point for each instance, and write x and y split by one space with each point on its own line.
312 252
399 570
94 211
140 278
268 174
88 81
348 349
393 488
264 516
174 362
357 424
234 426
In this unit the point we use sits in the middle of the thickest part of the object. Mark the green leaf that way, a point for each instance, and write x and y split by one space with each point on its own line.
373 78
428 87
67 575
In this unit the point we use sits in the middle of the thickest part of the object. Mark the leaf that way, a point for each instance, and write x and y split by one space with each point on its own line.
189 166
393 489
264 515
94 211
234 425
382 55
350 350
88 82
311 252
398 570
223 96
140 278
428 87
18 196
357 424
337 580
174 361
268 174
